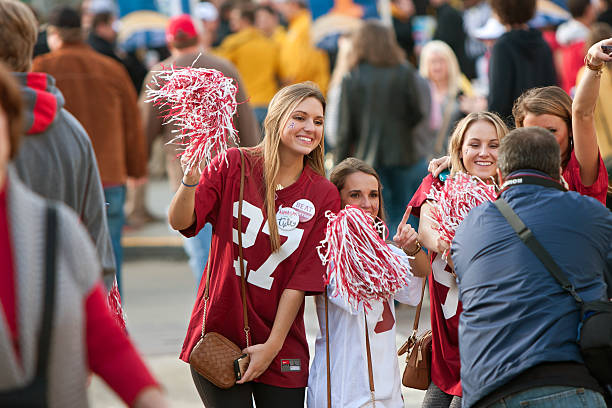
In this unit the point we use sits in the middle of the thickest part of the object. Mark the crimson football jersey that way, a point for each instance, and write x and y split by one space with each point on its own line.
598 190
445 310
296 265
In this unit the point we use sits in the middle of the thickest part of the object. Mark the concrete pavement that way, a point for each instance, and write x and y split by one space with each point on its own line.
159 292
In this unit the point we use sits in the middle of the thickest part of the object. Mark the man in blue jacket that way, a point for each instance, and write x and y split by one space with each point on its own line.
517 332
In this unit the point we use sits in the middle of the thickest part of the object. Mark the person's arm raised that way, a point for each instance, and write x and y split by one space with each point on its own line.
181 213
583 113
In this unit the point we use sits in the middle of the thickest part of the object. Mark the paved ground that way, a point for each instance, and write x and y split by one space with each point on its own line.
159 292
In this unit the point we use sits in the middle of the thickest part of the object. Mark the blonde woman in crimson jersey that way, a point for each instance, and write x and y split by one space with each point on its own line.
359 185
473 150
283 219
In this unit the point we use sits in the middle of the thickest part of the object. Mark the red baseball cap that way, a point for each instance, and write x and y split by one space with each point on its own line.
180 28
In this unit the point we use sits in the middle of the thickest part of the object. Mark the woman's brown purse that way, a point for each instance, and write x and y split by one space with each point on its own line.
417 373
214 355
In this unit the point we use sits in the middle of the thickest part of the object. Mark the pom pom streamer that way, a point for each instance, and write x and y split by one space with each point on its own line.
114 304
454 200
362 266
201 103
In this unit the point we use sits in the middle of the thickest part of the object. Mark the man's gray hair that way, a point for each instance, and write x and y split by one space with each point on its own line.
532 148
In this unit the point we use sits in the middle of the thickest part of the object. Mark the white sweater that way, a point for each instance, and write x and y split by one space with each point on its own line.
350 386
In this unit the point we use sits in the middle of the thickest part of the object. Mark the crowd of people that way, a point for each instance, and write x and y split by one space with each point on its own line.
523 111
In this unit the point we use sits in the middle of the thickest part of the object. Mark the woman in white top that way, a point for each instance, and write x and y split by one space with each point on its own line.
359 185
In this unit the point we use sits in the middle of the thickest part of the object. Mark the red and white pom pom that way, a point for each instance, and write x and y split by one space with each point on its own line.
201 103
114 304
453 202
362 266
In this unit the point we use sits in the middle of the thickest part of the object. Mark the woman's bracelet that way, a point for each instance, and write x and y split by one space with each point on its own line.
596 68
189 185
416 251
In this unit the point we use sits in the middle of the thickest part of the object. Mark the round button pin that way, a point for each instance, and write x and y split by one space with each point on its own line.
287 218
305 209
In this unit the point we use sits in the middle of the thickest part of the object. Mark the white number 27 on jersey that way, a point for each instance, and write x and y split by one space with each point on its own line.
262 277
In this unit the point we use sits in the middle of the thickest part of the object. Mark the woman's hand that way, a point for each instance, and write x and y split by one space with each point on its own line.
406 237
192 176
151 397
596 56
437 166
261 356
443 246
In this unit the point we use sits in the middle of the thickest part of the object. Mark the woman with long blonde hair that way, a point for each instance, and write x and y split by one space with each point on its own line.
452 96
283 219
473 150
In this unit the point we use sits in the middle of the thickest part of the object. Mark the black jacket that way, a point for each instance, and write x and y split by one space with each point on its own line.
520 60
379 109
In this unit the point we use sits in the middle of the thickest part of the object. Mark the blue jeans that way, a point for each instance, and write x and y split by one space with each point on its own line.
197 249
260 113
399 185
115 198
553 397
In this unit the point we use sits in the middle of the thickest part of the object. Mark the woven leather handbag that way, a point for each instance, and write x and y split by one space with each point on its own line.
417 373
214 355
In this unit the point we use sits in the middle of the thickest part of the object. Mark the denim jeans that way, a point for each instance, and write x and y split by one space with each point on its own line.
197 249
399 185
553 397
115 198
260 114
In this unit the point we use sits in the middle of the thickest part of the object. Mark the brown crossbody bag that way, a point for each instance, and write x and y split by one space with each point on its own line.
417 373
215 357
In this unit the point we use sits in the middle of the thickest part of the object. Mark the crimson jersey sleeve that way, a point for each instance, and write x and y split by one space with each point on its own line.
597 190
421 194
110 353
309 272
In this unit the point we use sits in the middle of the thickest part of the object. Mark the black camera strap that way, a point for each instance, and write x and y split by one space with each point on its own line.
519 179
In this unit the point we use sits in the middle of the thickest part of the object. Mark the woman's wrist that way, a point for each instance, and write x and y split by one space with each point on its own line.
189 184
596 66
274 346
413 251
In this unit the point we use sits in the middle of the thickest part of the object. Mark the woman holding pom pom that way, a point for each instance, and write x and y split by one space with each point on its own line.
359 186
473 150
283 219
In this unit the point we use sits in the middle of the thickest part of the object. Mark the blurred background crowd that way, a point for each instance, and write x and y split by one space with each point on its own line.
398 75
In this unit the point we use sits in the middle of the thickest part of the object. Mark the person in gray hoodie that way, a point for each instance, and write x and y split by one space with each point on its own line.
56 159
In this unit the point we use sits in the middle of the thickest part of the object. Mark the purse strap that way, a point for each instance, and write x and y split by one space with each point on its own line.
534 245
242 278
369 355
327 351
44 340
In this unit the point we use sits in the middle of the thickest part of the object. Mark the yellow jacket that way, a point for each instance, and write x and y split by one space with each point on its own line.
300 60
257 59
